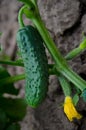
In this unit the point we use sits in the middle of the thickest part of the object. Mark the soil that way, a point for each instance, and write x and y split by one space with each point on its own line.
66 21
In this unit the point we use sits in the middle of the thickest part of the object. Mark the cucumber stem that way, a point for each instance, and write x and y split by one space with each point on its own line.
20 20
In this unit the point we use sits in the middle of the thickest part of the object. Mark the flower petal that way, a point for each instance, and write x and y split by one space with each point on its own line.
70 110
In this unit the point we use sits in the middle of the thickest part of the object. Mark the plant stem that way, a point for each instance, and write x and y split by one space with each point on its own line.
72 54
21 23
75 52
83 44
12 79
13 63
65 85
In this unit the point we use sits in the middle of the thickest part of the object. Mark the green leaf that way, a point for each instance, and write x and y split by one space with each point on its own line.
7 88
3 73
14 108
75 99
14 127
3 119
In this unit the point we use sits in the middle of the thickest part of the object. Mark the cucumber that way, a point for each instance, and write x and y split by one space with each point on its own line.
35 61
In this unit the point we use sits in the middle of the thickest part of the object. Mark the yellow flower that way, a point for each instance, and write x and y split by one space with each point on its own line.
70 110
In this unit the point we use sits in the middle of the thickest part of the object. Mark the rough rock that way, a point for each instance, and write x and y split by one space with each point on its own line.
59 15
83 23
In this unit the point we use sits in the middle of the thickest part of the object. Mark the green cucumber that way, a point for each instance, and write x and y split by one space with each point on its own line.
35 61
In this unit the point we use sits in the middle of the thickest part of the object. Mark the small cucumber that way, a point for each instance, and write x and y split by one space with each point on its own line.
35 61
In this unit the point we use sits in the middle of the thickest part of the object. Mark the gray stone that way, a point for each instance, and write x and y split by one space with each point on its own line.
83 23
59 15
